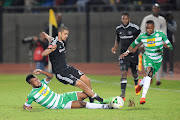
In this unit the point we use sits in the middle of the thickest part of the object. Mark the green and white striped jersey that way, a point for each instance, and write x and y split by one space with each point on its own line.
153 44
46 97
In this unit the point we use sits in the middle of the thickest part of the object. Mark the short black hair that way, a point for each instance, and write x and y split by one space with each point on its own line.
125 13
62 28
28 78
150 22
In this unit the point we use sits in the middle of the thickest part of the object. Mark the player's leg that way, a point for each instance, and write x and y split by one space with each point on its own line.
158 76
78 74
87 90
87 81
123 84
135 75
81 96
82 104
134 69
124 65
171 62
165 60
145 82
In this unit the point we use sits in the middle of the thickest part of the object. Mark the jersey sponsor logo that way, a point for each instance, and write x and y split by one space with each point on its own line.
151 42
44 91
126 37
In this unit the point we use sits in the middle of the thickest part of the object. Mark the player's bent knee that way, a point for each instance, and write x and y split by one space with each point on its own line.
80 84
83 104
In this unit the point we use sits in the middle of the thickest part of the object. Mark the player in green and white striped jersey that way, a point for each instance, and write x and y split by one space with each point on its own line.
153 40
44 96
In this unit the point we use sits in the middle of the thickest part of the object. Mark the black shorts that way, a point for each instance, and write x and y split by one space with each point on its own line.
69 76
129 62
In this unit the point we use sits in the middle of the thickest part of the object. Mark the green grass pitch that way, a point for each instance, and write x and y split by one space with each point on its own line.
162 102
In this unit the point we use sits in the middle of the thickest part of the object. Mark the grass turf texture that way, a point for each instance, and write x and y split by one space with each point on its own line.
162 102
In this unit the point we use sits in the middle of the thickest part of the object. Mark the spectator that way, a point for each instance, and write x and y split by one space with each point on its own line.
54 29
41 44
168 55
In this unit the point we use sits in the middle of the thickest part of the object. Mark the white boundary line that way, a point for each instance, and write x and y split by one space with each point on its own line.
115 83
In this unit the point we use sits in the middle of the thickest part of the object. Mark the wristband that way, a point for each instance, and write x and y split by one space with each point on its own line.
128 51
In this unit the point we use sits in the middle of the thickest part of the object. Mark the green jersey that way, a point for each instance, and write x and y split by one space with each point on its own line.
153 44
49 99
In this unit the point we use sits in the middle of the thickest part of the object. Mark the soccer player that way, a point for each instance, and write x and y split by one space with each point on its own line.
65 73
160 24
153 41
126 33
43 95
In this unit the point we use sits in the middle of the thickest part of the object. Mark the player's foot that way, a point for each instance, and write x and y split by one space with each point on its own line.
107 106
171 73
142 101
158 83
107 100
138 88
123 97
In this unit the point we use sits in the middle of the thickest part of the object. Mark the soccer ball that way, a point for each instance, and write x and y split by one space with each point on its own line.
117 102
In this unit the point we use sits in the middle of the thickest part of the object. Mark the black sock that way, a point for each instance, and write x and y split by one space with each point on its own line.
123 86
91 100
136 80
97 98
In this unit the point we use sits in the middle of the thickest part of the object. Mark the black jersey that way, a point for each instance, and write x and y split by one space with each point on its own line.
58 57
127 35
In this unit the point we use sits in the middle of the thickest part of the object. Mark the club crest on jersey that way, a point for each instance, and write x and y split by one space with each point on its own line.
157 35
129 32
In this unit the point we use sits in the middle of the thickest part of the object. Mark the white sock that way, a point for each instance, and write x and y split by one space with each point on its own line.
96 106
142 82
146 85
94 95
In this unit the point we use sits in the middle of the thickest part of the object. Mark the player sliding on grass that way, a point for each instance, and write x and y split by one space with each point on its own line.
153 40
44 96
65 73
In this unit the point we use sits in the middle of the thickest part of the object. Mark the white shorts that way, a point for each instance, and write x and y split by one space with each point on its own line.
68 105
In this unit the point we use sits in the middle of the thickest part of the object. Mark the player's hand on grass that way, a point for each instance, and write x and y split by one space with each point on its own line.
113 50
37 71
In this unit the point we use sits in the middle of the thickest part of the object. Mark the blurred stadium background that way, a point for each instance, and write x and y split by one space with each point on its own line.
92 26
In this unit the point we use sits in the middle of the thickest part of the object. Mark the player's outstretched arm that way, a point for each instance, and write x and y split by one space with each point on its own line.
113 49
49 75
27 107
49 38
49 50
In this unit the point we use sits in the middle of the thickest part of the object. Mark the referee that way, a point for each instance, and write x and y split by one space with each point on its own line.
127 32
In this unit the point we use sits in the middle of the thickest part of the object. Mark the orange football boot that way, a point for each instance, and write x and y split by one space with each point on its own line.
138 88
142 101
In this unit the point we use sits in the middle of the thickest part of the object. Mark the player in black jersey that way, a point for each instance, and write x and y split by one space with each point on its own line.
65 73
126 33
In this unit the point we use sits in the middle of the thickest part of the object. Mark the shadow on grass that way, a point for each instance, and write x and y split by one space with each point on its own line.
135 108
